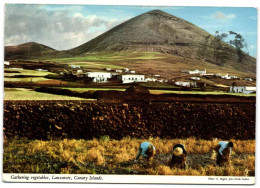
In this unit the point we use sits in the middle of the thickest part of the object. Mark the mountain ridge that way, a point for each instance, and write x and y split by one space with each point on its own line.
154 31
28 50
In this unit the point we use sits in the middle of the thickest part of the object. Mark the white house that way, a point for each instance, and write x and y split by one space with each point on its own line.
126 69
186 84
242 89
227 77
99 76
156 75
130 78
249 79
107 69
160 80
43 70
6 63
119 71
79 71
132 72
14 68
197 72
75 66
194 78
151 79
207 74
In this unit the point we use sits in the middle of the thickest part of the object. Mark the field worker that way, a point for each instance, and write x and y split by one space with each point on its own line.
147 150
224 150
179 156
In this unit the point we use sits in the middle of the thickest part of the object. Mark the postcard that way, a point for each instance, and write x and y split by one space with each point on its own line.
129 94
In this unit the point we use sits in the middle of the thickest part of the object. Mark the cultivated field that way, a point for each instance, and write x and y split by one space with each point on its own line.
29 76
168 66
30 94
106 156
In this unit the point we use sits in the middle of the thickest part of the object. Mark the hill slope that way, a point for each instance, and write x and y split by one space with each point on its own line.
158 31
154 31
28 51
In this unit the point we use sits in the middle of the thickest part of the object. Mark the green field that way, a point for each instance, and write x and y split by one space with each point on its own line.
200 92
110 56
93 65
29 79
28 94
26 72
155 91
81 90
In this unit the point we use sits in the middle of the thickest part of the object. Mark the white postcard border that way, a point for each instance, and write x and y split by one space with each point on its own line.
148 179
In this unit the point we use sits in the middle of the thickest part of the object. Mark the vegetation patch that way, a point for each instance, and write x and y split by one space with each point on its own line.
109 156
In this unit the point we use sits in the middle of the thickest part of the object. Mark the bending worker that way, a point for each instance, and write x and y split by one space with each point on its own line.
147 150
224 150
179 157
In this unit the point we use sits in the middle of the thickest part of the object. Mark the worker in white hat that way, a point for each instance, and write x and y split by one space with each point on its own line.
179 156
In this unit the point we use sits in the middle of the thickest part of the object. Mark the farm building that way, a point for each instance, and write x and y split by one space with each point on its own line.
79 71
43 70
75 66
197 72
227 77
14 68
132 72
126 69
107 69
99 76
186 84
119 71
249 79
194 78
151 79
6 63
130 78
242 89
207 74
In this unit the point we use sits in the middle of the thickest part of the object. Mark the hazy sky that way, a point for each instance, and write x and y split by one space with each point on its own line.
67 26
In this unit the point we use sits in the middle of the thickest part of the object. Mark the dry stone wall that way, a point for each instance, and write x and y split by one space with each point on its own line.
84 120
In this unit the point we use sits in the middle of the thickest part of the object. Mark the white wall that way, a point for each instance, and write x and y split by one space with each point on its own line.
242 89
99 76
128 78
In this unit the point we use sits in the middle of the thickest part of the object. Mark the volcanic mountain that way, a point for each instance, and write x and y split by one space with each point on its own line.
28 51
158 31
154 31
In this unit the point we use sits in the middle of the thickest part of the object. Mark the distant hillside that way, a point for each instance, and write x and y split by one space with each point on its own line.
28 51
154 31
158 31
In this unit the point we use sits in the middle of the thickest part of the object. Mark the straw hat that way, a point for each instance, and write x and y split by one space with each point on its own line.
177 151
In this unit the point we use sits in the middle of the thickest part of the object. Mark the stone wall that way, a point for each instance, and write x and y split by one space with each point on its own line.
85 120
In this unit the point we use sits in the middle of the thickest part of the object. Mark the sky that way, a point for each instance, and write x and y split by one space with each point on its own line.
64 27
